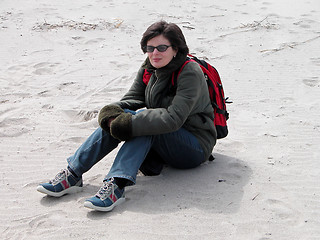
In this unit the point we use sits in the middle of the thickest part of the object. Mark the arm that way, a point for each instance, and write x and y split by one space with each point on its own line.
190 85
135 97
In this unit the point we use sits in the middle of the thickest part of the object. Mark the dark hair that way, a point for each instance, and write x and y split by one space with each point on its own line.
170 31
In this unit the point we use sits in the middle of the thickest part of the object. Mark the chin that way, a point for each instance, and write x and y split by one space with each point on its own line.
158 65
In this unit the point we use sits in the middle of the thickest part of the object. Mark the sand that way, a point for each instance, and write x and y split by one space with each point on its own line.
61 61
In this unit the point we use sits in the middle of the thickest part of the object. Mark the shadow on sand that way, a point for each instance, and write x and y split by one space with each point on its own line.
215 187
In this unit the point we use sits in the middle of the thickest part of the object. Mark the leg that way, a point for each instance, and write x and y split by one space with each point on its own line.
124 170
152 164
179 149
186 153
97 146
129 159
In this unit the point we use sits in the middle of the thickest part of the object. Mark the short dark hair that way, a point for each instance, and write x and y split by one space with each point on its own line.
170 31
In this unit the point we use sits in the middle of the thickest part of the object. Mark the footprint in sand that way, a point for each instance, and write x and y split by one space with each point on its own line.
43 219
315 61
281 210
41 51
17 68
312 82
81 116
44 68
14 127
94 41
305 23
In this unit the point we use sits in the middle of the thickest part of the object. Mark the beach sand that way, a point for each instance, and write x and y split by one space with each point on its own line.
62 61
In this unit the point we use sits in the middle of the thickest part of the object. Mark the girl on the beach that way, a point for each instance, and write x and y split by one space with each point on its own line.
158 126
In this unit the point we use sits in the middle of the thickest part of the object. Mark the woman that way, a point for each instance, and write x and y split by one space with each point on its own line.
175 128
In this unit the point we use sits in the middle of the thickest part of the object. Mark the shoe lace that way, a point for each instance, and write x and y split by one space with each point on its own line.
104 191
61 175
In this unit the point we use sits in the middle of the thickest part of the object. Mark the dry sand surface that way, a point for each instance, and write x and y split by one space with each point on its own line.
61 61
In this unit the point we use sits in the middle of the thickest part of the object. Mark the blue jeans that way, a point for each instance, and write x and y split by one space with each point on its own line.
179 149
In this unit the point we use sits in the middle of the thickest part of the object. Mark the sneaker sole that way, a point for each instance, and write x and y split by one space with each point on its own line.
73 189
88 204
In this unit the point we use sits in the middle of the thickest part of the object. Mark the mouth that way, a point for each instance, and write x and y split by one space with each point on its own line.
156 59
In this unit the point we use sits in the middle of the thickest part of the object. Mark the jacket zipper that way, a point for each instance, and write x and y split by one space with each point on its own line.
151 89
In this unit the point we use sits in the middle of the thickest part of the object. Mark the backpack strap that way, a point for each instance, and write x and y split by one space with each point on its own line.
177 72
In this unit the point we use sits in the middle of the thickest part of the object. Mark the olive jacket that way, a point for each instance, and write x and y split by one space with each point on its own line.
189 107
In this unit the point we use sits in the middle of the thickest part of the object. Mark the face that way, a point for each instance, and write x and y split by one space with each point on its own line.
160 59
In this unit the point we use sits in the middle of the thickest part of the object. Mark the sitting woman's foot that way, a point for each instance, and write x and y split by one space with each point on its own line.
109 196
63 183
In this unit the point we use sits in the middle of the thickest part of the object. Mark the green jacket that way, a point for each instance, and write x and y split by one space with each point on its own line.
189 108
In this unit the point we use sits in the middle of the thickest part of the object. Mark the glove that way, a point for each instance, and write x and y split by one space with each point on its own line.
121 127
106 113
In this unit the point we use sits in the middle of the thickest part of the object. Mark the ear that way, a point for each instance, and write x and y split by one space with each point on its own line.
175 53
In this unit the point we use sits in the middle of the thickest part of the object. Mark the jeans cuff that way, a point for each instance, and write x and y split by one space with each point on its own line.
131 181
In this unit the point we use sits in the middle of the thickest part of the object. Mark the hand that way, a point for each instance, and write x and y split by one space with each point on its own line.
121 127
110 121
107 115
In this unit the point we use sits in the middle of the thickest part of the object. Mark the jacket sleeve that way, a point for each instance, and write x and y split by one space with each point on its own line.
135 97
190 85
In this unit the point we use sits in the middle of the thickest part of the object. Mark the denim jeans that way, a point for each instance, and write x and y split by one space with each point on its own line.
178 149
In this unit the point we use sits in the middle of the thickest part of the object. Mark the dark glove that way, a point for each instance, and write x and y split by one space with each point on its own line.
121 127
106 113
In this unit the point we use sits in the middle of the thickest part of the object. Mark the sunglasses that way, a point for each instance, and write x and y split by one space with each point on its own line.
160 48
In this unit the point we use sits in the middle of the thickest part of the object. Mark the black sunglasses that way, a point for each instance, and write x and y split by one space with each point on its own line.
160 48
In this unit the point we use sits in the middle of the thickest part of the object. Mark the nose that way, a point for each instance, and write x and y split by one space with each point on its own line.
155 51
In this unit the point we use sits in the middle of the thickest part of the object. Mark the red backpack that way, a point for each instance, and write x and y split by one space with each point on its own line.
215 89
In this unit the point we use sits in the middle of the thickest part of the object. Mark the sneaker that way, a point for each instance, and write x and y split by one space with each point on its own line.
63 183
109 196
